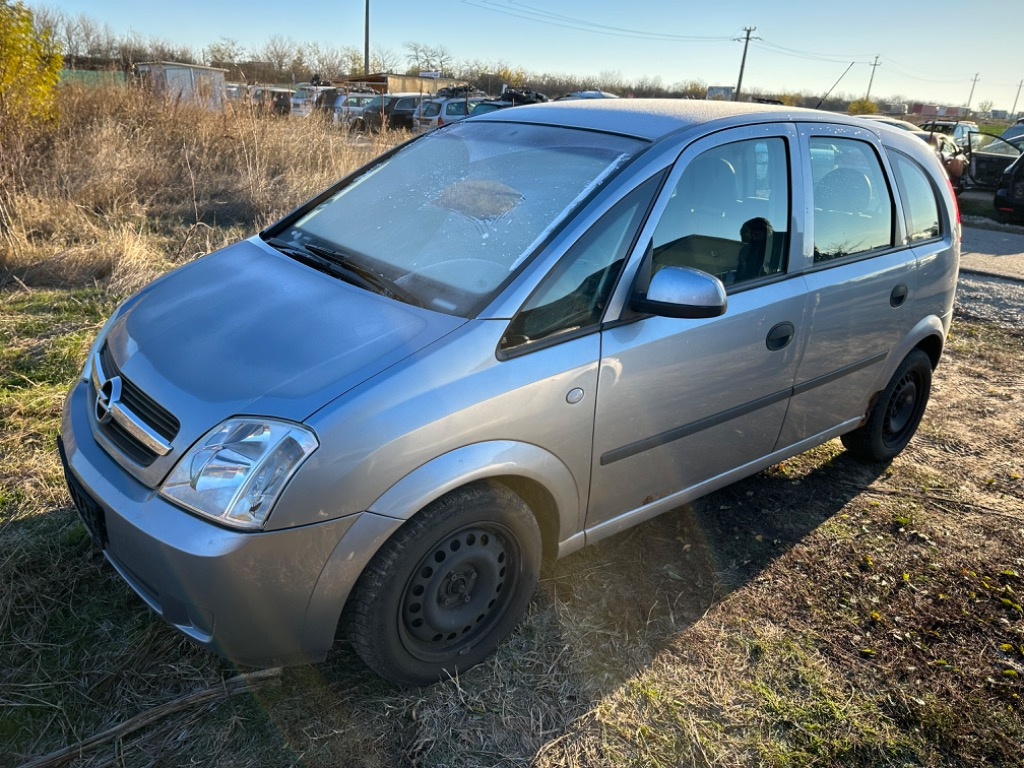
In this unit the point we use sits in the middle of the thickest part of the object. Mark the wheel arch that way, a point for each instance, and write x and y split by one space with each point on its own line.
928 335
932 345
536 475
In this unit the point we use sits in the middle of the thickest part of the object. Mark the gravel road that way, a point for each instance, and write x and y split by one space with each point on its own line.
991 300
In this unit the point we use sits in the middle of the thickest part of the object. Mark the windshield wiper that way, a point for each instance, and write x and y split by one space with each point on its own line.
342 265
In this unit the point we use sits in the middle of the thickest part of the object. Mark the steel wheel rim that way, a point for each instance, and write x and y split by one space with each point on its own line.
902 409
459 591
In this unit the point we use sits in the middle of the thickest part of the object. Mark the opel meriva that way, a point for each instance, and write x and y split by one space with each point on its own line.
504 340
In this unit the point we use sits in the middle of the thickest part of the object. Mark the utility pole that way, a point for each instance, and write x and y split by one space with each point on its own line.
743 61
867 96
1013 112
366 42
974 82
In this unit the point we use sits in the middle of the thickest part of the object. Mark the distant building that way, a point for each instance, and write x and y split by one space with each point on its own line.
386 82
203 86
936 110
893 108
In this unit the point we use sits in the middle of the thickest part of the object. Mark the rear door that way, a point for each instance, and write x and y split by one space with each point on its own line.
861 281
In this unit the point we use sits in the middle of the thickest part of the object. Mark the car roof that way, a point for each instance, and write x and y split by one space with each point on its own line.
653 119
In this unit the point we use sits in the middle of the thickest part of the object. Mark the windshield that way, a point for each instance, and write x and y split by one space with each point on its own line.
448 219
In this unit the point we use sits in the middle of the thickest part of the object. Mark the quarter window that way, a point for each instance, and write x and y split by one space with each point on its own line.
852 205
574 294
729 213
920 205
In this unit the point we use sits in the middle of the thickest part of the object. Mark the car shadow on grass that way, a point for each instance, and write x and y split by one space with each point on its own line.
599 617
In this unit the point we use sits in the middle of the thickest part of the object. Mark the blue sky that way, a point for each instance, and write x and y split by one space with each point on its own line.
927 50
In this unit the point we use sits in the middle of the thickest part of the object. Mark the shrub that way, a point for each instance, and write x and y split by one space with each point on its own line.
29 72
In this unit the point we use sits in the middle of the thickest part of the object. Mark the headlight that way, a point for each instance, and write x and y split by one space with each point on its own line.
235 473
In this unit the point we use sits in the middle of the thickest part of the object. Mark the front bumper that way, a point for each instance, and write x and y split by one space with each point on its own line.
259 598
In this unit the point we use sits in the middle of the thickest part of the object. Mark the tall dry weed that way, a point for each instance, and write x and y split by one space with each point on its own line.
126 186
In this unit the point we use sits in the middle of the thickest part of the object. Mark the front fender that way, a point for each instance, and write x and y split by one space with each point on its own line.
479 461
343 568
498 458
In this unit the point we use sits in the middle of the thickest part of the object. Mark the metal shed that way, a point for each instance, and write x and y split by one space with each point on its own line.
204 86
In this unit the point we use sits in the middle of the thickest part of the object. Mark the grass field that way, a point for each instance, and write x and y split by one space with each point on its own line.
823 612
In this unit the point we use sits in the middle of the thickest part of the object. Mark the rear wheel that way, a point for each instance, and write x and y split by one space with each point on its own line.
897 412
448 587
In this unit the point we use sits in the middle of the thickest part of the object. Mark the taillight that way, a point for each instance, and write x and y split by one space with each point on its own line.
956 207
440 120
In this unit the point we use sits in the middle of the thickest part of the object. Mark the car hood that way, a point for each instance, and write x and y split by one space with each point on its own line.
249 331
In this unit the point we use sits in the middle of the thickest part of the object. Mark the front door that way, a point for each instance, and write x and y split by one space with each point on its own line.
989 157
682 401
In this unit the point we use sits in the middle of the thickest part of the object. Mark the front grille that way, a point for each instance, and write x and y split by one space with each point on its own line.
154 415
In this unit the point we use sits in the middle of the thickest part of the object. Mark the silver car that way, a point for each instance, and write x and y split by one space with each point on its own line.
348 107
437 112
507 339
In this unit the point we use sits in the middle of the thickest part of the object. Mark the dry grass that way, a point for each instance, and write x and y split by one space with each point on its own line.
126 188
821 613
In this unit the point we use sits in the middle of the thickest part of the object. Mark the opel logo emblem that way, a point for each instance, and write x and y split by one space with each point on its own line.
107 398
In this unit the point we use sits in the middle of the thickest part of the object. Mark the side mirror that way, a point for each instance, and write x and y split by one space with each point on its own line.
682 292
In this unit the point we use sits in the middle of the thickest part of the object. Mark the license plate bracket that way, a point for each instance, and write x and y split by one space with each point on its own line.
89 510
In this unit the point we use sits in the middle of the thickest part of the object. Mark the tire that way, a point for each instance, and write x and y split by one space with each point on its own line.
447 588
896 414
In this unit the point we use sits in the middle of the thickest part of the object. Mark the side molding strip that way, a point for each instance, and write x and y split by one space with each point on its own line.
677 433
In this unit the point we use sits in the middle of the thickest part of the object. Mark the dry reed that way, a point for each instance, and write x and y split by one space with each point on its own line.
125 186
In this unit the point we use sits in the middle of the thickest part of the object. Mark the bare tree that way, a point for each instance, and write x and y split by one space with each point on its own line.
610 80
46 23
352 60
69 34
330 63
278 51
162 50
429 58
98 41
130 49
384 60
226 50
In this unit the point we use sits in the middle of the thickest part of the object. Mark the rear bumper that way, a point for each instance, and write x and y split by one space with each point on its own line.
258 598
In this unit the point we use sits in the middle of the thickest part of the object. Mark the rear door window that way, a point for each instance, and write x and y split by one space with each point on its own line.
853 210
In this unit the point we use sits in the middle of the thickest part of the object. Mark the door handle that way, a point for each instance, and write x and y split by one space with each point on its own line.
898 295
779 336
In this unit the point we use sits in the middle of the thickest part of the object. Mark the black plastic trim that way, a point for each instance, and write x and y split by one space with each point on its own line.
828 378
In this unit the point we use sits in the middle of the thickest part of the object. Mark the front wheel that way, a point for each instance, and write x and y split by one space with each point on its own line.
448 587
894 418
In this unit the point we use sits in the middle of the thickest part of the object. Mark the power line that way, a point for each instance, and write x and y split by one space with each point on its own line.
523 11
782 50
